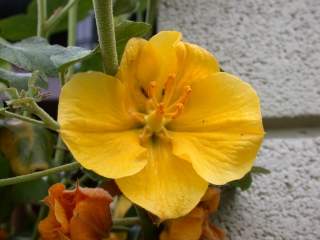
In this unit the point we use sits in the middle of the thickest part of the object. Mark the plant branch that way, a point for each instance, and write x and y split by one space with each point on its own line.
58 15
60 150
23 118
72 30
106 34
40 174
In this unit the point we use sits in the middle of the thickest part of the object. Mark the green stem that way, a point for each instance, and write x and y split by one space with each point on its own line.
59 154
40 174
72 24
129 221
56 17
41 18
72 29
106 34
23 118
148 228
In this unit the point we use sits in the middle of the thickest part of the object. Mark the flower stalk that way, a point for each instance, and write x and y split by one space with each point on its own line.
106 34
37 175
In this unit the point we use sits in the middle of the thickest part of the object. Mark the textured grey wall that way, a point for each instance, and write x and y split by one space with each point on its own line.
274 45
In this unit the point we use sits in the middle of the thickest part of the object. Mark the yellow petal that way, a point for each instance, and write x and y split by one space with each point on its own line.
93 102
110 154
146 61
94 122
194 63
139 66
220 130
167 186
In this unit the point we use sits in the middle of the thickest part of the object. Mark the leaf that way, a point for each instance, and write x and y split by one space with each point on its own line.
243 183
260 170
27 147
37 54
92 63
4 167
29 192
70 56
126 30
124 6
13 79
12 29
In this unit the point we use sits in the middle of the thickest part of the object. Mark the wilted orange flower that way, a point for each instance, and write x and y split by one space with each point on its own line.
79 214
196 225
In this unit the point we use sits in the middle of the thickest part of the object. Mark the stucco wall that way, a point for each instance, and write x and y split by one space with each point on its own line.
274 45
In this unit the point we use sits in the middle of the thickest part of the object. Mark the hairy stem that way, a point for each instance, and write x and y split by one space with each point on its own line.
41 18
106 34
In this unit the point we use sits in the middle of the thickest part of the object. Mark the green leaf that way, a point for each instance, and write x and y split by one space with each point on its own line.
259 170
124 6
37 54
70 56
124 31
92 63
27 147
243 183
33 191
13 79
129 29
4 167
11 28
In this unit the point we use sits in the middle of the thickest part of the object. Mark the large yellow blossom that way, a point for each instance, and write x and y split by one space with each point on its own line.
167 124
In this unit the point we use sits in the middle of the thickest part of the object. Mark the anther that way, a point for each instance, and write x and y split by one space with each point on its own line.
169 82
179 107
186 94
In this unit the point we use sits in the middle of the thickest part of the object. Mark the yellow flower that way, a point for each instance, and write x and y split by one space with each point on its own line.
165 126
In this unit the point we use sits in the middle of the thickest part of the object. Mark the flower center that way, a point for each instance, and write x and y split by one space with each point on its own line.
159 115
